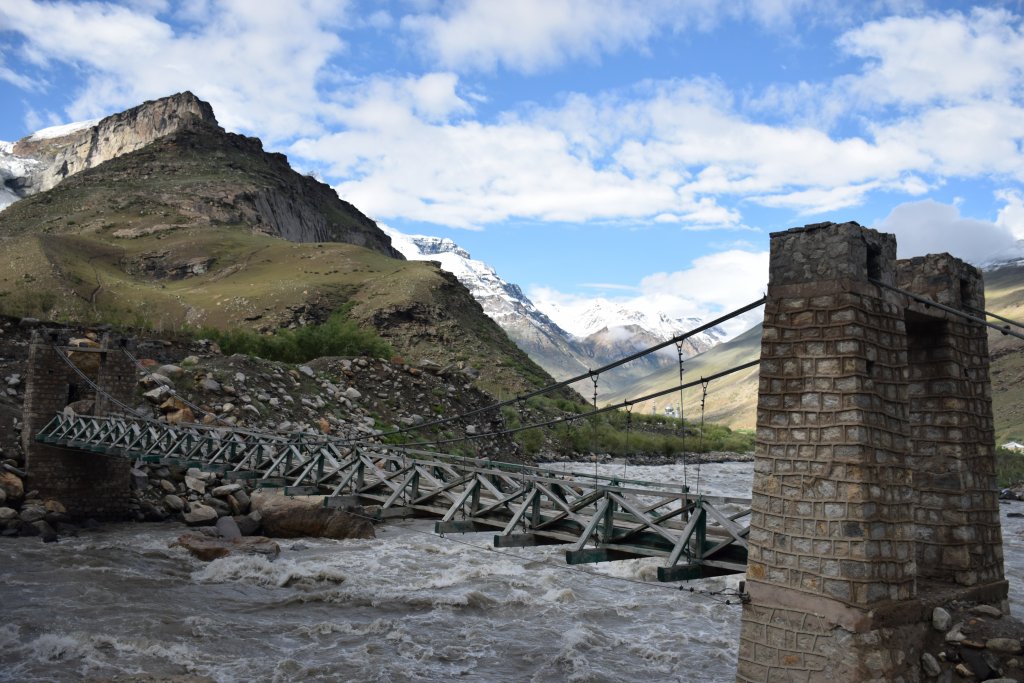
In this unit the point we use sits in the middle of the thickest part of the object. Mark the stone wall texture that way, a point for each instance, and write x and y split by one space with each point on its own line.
88 485
874 480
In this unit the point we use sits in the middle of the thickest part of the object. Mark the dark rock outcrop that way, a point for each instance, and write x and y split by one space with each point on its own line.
285 517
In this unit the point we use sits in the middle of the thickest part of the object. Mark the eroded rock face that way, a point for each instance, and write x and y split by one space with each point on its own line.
285 517
111 137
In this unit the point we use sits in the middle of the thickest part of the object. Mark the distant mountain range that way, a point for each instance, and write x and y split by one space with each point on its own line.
601 334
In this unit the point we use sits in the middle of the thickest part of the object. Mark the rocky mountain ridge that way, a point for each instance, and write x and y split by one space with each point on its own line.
49 156
179 136
605 333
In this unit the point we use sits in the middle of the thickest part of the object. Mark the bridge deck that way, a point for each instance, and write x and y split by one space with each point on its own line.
601 518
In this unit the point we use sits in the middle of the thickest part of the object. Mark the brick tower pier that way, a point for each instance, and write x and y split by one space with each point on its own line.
874 496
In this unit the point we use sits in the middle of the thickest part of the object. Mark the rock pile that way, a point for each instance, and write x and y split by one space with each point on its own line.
23 513
973 643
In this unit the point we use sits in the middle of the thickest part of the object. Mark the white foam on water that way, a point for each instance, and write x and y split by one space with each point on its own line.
258 570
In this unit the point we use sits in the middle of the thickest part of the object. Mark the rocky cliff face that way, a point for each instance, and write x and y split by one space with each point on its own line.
169 157
65 150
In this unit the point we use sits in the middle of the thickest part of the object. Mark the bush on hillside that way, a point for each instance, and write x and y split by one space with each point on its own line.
337 336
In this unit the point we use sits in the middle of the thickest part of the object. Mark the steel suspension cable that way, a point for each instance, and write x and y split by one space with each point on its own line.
948 309
579 416
590 374
997 317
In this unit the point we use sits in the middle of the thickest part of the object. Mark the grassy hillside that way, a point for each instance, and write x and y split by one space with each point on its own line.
187 233
731 400
1004 294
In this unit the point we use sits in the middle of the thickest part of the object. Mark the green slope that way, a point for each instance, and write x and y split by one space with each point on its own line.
731 400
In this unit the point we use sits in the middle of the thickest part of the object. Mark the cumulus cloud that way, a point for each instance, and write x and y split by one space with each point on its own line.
688 152
929 227
938 58
1011 216
259 63
529 35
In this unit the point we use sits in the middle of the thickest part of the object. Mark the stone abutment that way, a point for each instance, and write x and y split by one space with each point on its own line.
874 495
87 484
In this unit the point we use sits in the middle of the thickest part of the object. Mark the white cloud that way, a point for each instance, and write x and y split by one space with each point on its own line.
712 286
929 227
938 58
532 35
963 140
258 63
687 152
528 35
1011 216
669 152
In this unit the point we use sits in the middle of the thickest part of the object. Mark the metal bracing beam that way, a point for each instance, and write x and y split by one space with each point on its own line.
617 518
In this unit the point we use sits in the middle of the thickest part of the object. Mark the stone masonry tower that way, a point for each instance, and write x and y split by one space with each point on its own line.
874 487
87 484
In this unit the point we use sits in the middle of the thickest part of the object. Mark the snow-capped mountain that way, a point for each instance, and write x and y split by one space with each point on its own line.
562 343
14 170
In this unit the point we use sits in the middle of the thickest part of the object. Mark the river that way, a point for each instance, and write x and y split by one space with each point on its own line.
406 606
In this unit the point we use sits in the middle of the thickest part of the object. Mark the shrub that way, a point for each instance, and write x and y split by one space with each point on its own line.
337 336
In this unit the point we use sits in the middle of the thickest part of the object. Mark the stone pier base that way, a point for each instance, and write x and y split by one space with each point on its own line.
874 496
87 484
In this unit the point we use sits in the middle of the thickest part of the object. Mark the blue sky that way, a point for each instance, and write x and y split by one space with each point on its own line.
638 151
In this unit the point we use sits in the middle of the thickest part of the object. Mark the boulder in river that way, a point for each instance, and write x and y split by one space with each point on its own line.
293 517
207 548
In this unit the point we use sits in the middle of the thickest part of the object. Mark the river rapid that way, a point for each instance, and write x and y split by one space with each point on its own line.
406 606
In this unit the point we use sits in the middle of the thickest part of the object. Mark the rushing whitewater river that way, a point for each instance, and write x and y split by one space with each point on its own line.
406 606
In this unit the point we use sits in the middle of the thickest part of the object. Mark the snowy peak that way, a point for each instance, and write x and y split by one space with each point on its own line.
604 314
499 299
437 245
562 342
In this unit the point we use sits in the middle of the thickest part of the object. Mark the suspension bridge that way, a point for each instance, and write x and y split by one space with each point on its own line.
600 518
873 498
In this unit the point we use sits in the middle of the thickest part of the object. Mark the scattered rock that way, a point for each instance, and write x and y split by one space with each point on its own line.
226 489
248 524
1006 645
307 371
174 503
155 379
210 385
987 611
12 486
930 665
200 515
941 619
228 529
158 395
170 370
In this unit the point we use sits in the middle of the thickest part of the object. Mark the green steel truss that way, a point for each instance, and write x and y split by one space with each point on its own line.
600 518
